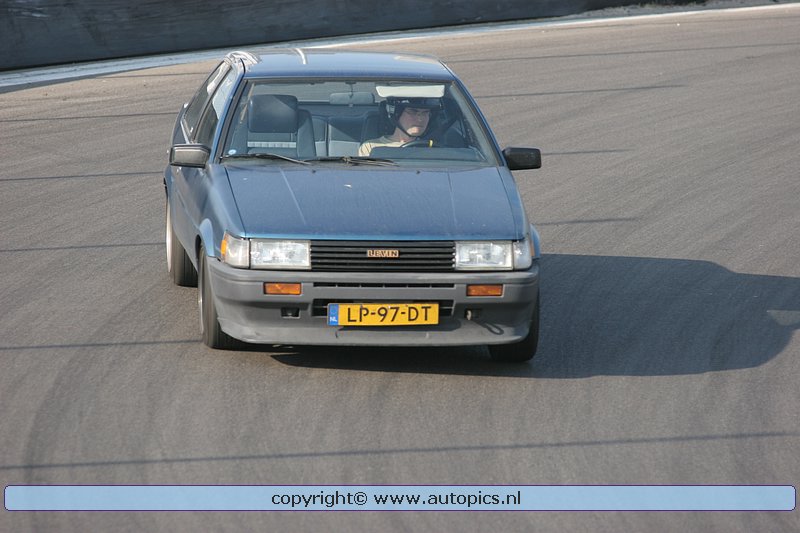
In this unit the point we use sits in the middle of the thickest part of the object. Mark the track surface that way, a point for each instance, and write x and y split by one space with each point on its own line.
669 208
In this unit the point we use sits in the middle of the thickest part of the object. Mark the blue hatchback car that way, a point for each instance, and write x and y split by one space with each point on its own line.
349 198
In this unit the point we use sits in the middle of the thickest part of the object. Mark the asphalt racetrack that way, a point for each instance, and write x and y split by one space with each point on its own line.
669 210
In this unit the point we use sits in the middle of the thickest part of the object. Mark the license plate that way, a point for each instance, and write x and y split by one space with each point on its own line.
383 314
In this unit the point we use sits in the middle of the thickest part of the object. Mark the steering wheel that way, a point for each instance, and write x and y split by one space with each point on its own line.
416 143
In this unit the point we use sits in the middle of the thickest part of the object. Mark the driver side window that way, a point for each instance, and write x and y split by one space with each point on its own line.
208 124
194 110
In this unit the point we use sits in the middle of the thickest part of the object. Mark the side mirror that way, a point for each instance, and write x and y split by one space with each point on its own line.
189 155
523 158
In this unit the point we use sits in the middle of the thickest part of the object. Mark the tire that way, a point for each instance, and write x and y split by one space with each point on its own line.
179 265
212 333
521 351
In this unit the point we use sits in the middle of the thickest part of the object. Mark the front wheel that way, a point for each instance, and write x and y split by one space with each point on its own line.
179 265
521 351
213 336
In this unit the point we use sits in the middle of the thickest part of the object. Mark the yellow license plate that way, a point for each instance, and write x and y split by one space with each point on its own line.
389 314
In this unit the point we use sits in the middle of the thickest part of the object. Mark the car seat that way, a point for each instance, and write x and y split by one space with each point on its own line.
277 126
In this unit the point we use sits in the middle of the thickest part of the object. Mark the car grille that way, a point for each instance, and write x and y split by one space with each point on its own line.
382 256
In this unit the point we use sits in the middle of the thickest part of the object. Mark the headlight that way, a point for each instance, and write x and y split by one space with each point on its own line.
484 255
235 251
268 254
523 253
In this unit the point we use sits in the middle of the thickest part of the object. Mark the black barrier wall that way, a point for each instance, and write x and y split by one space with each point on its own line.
46 32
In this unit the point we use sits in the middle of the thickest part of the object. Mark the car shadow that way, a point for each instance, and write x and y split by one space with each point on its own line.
624 316
637 316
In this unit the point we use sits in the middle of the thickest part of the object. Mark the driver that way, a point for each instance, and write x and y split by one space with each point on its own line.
410 116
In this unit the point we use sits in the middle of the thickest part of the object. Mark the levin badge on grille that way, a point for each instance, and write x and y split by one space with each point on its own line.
391 254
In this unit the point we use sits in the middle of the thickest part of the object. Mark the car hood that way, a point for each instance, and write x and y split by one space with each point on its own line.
373 203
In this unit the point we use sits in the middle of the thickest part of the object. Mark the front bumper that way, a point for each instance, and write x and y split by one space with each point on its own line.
246 313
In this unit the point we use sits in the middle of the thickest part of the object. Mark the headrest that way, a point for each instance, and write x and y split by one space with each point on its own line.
272 113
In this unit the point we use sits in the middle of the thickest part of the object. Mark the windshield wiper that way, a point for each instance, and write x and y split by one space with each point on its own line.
356 160
265 156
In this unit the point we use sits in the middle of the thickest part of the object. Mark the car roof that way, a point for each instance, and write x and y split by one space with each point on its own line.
319 63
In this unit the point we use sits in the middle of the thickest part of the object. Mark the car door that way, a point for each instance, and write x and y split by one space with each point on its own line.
199 125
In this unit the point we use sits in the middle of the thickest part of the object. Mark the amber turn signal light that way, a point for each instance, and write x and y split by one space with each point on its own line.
293 289
484 290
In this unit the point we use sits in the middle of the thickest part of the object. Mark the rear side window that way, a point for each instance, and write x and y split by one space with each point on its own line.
198 102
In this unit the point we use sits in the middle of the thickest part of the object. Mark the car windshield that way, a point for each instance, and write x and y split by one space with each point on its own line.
340 121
